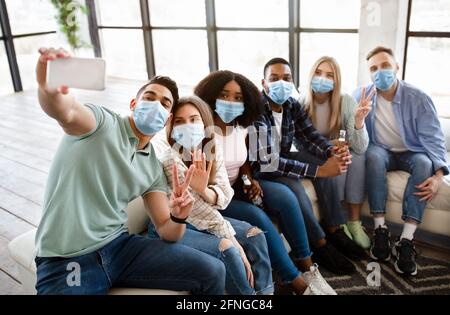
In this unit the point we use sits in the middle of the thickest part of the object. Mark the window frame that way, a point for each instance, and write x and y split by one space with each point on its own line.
294 30
8 40
416 34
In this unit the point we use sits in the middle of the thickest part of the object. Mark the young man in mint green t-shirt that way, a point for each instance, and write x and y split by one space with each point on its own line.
103 162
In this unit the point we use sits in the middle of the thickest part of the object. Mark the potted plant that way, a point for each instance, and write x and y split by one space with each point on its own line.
67 17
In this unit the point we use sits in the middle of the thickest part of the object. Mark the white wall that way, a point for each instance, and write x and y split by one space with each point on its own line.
383 22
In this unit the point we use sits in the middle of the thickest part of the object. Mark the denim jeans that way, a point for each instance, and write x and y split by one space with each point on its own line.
280 202
255 248
327 192
379 161
352 184
132 261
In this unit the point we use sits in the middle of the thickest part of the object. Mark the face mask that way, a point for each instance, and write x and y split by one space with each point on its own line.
384 79
150 117
189 136
229 111
280 91
322 85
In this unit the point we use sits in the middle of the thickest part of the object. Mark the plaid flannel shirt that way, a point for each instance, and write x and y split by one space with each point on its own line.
269 152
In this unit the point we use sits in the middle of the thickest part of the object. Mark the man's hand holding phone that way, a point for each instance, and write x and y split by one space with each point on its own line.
74 118
48 55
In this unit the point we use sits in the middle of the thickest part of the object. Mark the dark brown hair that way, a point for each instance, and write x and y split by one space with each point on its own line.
167 82
378 50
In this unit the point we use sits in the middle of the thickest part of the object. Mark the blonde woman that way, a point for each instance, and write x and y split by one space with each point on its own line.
239 245
330 111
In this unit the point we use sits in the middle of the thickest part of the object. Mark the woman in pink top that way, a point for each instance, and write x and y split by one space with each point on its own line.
237 103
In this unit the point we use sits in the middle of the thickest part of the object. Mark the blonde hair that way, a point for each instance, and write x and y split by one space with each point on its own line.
335 102
208 122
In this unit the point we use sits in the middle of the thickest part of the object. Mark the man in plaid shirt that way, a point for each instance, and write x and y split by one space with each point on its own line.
270 144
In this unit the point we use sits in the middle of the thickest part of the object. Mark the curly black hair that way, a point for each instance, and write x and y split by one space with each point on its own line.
210 87
167 82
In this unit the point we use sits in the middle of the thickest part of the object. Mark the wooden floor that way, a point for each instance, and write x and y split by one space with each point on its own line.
28 140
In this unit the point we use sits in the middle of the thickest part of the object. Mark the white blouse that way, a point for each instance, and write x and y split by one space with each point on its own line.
234 151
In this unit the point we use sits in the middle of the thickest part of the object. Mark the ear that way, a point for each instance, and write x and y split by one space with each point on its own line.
132 104
398 67
265 86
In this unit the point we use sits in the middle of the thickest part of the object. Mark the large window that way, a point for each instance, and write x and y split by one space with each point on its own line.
428 50
186 39
252 13
246 52
121 38
180 40
330 28
23 33
250 33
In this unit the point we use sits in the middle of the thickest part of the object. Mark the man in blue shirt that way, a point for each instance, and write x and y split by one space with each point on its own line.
405 134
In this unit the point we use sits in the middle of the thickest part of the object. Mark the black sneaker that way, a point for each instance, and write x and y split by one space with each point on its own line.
330 258
381 244
405 254
346 246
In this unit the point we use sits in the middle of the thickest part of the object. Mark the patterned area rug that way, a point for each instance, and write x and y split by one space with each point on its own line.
433 278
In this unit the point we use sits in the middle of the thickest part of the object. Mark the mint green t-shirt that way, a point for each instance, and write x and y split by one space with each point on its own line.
91 182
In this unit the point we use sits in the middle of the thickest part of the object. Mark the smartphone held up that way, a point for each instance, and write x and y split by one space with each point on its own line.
79 73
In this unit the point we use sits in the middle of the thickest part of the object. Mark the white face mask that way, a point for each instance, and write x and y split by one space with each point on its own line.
189 136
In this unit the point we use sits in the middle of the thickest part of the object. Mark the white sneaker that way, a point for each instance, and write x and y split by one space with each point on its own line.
317 284
307 291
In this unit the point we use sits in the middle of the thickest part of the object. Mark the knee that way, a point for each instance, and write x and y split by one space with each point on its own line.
225 244
214 271
256 237
375 157
253 231
421 163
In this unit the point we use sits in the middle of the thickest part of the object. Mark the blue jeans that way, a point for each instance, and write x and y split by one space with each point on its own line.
379 161
327 192
255 248
351 184
132 261
280 202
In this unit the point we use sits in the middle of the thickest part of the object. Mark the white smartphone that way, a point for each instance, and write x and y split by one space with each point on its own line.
79 73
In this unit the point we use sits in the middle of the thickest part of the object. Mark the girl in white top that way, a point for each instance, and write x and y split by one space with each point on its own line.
237 103
241 247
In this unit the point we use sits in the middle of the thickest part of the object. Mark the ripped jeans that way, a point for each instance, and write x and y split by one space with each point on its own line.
254 244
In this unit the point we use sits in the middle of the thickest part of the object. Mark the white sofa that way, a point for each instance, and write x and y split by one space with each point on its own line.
436 220
22 251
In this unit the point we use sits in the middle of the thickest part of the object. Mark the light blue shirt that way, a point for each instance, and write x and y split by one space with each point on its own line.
417 120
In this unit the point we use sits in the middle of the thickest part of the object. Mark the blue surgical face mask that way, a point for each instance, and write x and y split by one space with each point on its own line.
280 91
189 136
384 79
229 111
322 85
150 117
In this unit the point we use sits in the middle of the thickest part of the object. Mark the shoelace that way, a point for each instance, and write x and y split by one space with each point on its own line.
406 249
